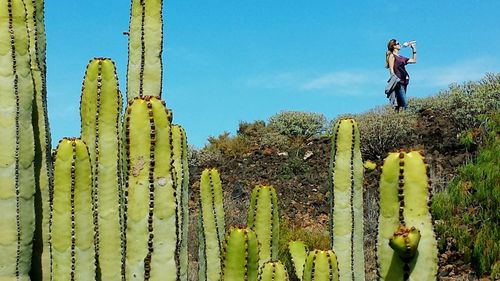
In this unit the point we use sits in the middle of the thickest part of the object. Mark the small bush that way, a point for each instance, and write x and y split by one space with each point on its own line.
383 130
298 124
227 146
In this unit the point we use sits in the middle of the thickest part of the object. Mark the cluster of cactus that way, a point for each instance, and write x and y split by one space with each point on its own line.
243 250
112 205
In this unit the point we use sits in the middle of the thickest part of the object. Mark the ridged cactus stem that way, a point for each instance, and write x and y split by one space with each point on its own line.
406 245
100 110
17 175
211 226
43 164
181 167
240 255
273 271
150 201
298 254
263 218
144 73
346 200
321 266
72 232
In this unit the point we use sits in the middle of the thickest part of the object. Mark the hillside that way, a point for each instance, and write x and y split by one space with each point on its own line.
448 127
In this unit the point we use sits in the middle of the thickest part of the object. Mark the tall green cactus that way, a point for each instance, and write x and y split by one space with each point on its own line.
321 266
150 221
273 271
144 73
240 255
71 224
211 226
263 218
298 254
346 200
43 163
180 162
17 174
405 223
100 110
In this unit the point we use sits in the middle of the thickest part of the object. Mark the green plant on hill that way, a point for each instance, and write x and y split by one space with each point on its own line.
298 124
384 130
469 210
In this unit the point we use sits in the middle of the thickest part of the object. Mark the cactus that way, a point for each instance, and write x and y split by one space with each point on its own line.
150 221
71 224
321 266
144 72
273 271
100 110
43 164
211 226
180 162
298 255
346 200
406 245
263 218
240 255
17 174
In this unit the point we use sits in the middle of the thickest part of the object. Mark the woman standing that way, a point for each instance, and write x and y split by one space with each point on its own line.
396 65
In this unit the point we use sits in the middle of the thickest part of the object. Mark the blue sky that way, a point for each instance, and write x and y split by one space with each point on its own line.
231 61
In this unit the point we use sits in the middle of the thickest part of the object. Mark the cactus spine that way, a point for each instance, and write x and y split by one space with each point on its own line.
100 110
346 200
263 218
150 201
321 266
298 254
72 232
180 162
144 73
273 271
405 220
240 255
211 226
17 175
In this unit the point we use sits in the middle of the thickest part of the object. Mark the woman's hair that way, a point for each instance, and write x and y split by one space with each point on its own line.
390 48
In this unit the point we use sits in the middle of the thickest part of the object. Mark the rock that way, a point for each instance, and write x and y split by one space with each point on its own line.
308 155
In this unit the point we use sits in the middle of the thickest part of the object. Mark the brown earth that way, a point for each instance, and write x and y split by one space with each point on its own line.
300 177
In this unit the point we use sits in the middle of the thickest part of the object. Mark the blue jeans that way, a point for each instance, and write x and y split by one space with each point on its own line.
401 96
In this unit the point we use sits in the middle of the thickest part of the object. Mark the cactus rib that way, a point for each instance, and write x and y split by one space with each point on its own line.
181 170
72 235
17 175
100 110
346 200
211 225
263 218
150 202
144 72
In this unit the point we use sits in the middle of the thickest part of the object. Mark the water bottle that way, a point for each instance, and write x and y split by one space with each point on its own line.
409 43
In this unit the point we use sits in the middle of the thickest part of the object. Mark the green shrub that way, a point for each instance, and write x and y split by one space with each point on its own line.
298 124
227 146
464 103
469 211
252 129
384 130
